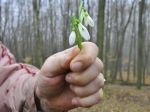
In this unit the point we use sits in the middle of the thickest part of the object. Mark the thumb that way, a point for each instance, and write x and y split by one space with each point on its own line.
59 63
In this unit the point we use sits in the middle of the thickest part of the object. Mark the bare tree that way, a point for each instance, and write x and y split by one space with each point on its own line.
140 43
66 20
121 32
100 26
37 34
107 31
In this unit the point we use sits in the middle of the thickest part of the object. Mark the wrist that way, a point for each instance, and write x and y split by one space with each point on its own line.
42 104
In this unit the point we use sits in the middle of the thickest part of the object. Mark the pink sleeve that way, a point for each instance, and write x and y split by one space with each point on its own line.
17 83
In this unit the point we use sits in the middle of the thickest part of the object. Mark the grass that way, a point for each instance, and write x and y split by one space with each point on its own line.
121 99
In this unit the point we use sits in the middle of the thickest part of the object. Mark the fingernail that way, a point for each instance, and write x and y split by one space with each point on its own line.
77 66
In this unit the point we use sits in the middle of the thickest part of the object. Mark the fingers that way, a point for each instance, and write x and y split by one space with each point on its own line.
59 63
93 87
72 58
85 77
87 85
88 101
85 58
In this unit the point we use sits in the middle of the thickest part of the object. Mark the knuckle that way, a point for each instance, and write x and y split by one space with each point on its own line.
97 67
97 83
96 48
91 44
101 79
99 64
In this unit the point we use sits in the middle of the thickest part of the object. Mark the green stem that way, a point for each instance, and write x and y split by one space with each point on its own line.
79 40
80 8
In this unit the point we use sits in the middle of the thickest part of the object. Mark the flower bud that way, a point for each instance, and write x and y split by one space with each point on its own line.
72 38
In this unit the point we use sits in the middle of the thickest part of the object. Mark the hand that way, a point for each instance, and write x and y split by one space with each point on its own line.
71 78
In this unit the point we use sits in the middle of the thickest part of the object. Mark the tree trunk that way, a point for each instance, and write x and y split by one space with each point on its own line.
129 61
66 24
140 43
121 34
107 41
101 26
37 35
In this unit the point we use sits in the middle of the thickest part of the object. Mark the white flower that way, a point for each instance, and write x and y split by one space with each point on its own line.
84 32
88 21
72 38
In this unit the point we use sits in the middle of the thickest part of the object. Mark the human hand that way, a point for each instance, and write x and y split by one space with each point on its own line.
71 78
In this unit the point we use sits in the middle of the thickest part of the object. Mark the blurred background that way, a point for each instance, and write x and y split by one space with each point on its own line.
36 29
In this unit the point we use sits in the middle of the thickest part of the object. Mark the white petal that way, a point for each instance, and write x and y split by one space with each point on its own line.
84 32
85 21
90 21
72 38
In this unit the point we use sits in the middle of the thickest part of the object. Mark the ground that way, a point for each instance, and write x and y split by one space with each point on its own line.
122 99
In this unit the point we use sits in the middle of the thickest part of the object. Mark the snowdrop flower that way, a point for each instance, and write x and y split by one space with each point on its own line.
84 32
78 30
72 38
88 21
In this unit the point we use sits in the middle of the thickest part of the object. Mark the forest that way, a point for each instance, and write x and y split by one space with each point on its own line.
36 29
